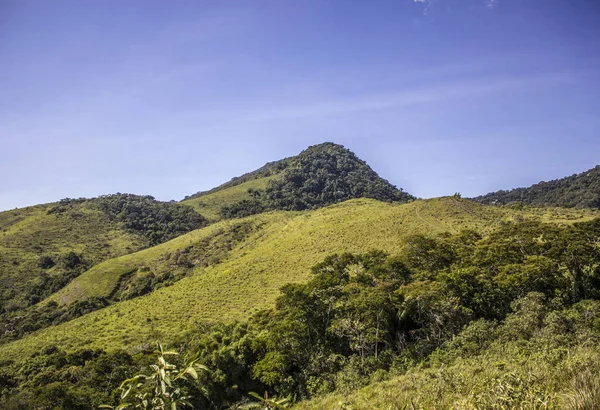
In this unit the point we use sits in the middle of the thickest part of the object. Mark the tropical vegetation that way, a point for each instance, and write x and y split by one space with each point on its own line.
450 300
576 191
309 283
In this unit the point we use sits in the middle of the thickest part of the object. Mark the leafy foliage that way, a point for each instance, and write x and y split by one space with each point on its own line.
492 365
325 174
157 221
240 209
163 389
53 379
576 191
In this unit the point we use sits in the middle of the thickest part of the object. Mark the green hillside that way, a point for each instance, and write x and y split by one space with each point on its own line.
280 248
177 257
371 218
576 191
268 170
525 373
209 204
311 277
28 235
446 300
321 175
43 248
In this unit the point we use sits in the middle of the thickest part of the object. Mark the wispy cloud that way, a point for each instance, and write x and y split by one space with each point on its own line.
407 97
432 5
427 5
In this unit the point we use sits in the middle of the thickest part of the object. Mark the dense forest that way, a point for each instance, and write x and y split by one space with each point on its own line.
528 287
576 191
321 175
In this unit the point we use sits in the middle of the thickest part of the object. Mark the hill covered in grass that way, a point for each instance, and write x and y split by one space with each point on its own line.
271 250
447 300
575 191
209 204
321 175
43 248
309 278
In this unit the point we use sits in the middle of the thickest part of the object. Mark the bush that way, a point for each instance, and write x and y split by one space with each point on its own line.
46 262
157 221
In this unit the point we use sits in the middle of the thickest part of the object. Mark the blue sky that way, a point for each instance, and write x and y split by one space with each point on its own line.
172 97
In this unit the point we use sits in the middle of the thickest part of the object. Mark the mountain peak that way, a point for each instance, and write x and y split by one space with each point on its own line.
320 175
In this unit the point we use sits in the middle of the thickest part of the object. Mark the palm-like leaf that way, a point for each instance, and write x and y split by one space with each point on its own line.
164 393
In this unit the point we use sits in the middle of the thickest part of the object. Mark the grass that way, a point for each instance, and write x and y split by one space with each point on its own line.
504 378
27 233
281 250
101 279
209 205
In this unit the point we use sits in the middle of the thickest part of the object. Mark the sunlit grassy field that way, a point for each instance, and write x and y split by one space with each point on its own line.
101 279
281 250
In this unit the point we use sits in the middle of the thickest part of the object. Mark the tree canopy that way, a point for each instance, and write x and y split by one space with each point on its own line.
157 221
321 175
576 191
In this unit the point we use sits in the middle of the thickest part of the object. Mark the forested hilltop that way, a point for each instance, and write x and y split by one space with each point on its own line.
576 191
321 175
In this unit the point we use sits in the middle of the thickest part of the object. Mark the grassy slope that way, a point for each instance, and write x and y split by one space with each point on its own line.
27 233
281 251
101 279
501 378
209 205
